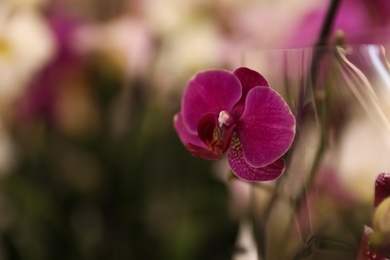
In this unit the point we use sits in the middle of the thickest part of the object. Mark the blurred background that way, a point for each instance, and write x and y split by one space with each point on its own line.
90 165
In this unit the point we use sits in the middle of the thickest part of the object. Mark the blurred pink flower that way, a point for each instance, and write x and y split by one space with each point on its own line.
240 114
241 24
41 96
361 21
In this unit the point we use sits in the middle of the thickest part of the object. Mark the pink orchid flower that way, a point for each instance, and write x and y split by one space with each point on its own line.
240 114
362 22
367 250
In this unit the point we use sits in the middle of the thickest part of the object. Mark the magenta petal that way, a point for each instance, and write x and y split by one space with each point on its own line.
250 79
246 172
206 127
192 142
209 92
184 135
202 152
382 188
266 128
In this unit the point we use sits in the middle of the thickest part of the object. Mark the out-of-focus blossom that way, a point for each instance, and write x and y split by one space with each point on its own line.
238 113
244 22
60 93
382 188
361 22
375 243
381 219
126 40
26 45
40 97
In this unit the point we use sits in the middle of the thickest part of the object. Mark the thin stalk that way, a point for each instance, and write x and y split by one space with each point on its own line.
323 104
323 38
328 23
261 227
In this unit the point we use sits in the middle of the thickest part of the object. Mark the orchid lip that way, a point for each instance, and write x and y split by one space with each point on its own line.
216 132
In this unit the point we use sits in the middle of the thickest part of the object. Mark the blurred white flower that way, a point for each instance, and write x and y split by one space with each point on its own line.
26 45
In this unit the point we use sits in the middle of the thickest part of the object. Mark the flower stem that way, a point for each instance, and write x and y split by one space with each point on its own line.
321 103
260 227
323 37
328 23
322 40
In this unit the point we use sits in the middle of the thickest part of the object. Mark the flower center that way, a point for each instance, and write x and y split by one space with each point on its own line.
221 138
216 132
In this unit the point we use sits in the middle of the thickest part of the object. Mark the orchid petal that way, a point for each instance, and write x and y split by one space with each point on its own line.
202 152
382 188
266 128
249 79
244 171
206 127
209 92
184 135
192 142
